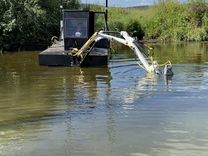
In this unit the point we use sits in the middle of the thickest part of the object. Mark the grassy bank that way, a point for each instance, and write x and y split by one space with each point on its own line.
26 24
169 21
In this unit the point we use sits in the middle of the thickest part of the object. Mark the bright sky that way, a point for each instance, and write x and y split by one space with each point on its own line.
122 3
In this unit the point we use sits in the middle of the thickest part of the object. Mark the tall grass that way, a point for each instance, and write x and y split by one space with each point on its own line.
170 20
175 21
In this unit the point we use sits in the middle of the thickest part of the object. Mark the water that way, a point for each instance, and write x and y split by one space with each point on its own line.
117 110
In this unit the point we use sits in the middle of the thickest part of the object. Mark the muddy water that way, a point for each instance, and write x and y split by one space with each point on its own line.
118 110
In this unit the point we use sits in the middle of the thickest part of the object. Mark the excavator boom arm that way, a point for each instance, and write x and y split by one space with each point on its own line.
128 41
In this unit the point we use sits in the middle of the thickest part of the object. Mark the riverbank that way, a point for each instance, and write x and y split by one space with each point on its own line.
169 21
166 22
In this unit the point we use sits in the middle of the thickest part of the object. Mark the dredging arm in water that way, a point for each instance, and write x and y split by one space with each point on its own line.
151 66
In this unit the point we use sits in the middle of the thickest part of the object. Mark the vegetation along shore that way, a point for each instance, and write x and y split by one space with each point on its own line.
25 23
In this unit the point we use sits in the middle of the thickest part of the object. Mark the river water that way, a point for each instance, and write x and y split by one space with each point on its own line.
118 110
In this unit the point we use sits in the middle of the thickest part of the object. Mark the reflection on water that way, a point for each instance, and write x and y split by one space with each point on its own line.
117 110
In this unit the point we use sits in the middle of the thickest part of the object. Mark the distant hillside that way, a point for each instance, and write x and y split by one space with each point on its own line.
139 7
88 6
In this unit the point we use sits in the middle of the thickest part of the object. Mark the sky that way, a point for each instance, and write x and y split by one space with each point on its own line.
122 3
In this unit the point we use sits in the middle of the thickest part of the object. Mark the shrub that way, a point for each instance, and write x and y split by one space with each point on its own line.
134 28
175 21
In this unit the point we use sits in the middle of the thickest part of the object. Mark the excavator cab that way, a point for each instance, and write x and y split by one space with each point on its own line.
79 26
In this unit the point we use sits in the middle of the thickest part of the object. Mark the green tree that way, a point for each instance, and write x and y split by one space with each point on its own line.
71 4
198 9
24 22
